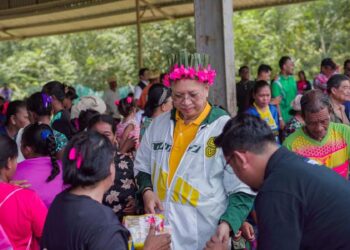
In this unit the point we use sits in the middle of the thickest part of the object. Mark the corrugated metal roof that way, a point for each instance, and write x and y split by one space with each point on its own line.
21 19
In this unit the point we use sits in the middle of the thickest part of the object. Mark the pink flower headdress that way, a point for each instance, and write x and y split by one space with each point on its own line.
190 66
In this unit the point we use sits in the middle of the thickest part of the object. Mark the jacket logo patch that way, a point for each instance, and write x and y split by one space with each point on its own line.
210 149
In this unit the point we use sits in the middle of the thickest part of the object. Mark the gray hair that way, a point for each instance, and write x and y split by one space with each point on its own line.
314 101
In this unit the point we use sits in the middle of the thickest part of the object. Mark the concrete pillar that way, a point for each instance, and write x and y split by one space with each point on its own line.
214 36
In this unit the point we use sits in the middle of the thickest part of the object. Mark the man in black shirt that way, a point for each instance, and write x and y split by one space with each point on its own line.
243 89
299 205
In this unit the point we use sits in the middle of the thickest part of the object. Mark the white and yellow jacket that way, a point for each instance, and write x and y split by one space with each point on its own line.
198 194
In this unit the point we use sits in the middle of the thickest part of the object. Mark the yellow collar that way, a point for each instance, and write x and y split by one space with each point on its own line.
200 118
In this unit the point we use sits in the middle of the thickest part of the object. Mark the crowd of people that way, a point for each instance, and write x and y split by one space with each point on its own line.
276 176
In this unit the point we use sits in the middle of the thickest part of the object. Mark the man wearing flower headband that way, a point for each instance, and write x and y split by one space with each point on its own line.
181 172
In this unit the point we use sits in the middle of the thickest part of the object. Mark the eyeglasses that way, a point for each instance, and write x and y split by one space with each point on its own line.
182 97
228 161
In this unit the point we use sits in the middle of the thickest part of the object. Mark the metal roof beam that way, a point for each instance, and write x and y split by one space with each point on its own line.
152 6
101 14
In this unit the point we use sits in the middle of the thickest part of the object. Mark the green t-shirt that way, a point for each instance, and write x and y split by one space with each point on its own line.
286 87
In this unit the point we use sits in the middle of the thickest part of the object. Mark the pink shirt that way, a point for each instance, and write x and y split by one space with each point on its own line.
134 133
36 171
22 216
320 82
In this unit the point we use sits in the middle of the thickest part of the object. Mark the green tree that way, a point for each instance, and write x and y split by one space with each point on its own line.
308 32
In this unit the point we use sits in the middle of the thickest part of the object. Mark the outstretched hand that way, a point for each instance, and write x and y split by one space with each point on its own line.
223 231
215 244
21 183
128 145
157 242
151 202
248 231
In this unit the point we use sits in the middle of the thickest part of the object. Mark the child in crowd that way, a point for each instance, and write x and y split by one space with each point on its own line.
84 109
84 118
77 219
328 68
159 101
16 118
41 168
128 127
121 196
39 106
61 119
263 109
22 213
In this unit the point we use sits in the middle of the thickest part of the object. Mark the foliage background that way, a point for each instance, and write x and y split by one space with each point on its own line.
308 32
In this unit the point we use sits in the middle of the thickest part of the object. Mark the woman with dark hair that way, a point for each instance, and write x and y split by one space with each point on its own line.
70 96
263 109
77 219
22 213
121 196
39 106
303 84
84 117
41 168
16 118
159 101
61 118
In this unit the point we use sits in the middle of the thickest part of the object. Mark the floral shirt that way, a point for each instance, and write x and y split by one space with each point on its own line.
320 82
61 122
124 188
61 140
291 126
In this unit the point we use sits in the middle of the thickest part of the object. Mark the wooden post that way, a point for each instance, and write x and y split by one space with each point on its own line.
139 35
214 36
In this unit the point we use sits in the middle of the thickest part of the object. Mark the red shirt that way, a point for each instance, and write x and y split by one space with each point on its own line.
303 86
22 216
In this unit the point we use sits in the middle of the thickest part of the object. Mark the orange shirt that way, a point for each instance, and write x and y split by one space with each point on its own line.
141 103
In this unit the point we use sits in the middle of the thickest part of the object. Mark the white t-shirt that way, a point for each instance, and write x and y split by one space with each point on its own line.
138 90
138 116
